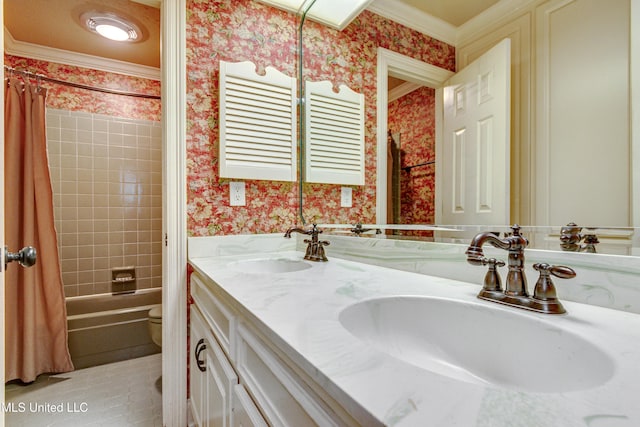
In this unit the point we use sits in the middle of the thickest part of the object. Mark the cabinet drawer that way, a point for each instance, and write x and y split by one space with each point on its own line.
283 397
218 316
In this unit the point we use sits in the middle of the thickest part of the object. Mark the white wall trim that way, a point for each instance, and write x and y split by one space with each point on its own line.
174 252
60 56
438 210
402 90
409 69
415 19
382 107
634 52
542 163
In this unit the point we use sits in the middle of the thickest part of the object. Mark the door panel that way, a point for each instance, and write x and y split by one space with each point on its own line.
474 157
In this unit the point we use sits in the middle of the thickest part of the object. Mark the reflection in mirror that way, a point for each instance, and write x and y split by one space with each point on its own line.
411 158
349 57
408 111
551 175
336 15
598 240
545 187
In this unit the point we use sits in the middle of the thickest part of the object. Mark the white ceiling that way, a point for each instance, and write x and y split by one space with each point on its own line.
55 24
455 12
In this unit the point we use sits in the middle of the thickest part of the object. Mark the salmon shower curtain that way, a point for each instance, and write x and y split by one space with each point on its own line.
35 312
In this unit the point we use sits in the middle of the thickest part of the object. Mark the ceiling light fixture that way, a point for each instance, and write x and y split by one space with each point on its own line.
111 26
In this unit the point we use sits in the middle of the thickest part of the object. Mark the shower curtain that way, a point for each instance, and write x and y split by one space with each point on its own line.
35 312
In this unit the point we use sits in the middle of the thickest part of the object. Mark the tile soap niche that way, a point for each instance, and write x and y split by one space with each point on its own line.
123 280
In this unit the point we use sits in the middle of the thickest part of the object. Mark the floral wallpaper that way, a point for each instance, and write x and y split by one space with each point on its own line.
413 117
246 30
75 99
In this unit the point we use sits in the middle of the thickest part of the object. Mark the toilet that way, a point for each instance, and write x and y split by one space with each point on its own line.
155 324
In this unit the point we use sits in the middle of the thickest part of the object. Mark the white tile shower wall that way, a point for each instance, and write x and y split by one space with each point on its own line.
107 185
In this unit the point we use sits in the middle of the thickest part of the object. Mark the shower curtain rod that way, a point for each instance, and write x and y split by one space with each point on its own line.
40 77
408 168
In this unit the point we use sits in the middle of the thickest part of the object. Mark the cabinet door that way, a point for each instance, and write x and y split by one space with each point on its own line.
283 397
244 412
219 382
197 383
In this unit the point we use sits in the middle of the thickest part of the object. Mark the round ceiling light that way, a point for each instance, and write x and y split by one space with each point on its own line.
111 26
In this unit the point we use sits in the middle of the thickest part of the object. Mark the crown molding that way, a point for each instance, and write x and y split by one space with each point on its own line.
415 19
60 56
441 30
153 3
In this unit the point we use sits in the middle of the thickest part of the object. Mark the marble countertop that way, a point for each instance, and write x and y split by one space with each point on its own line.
300 311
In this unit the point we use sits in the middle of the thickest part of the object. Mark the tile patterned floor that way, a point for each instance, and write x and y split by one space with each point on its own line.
120 394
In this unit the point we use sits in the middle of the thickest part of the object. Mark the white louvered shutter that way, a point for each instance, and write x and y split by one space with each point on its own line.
257 123
334 135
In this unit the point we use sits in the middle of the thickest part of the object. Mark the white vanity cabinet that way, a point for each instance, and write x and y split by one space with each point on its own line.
217 398
212 377
253 382
245 413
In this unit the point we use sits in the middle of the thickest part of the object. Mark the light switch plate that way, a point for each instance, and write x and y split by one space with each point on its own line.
346 197
237 194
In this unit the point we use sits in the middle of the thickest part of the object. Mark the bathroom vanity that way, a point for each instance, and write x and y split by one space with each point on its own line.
277 340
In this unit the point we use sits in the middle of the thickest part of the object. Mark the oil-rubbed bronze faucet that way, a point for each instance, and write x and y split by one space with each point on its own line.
315 246
358 229
516 284
544 299
571 235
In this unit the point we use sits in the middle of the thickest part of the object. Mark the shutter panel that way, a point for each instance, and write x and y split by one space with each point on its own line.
334 135
257 123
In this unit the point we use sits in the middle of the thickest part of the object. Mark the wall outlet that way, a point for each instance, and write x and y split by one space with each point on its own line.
346 197
237 194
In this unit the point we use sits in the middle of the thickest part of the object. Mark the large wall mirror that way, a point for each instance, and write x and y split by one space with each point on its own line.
573 154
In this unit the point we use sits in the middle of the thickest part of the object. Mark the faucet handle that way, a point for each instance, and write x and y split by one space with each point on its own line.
560 271
545 291
590 242
317 242
492 280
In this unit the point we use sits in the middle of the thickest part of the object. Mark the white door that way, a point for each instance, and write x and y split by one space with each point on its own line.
472 160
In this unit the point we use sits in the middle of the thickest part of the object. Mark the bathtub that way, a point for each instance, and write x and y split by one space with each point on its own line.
108 328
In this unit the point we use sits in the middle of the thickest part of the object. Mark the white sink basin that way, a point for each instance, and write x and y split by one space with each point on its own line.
478 343
270 265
